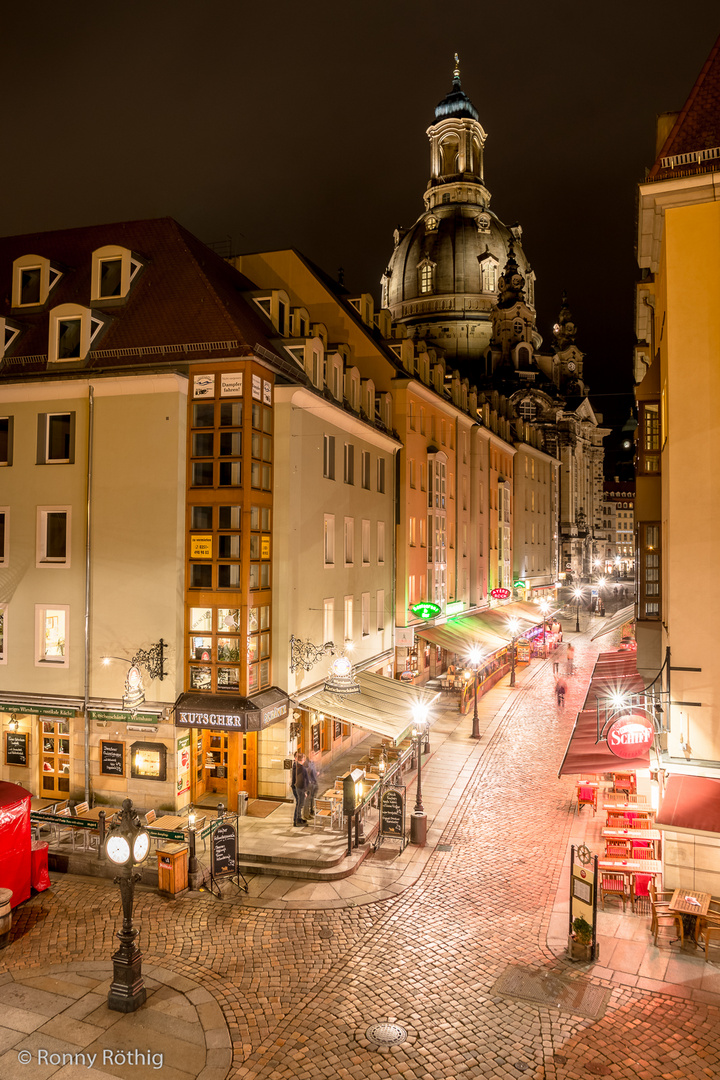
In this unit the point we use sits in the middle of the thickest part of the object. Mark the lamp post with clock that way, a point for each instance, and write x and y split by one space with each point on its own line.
127 844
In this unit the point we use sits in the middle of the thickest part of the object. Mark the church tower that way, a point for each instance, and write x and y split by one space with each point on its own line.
443 277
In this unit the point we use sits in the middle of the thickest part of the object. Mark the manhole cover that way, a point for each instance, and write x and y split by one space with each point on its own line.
597 1068
577 996
444 847
386 1034
325 932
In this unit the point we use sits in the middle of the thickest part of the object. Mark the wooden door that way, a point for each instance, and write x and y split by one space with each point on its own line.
197 766
55 758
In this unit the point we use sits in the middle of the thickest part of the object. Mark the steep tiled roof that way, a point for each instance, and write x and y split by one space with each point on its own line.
184 295
697 127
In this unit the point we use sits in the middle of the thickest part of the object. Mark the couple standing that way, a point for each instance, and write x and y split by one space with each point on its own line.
304 785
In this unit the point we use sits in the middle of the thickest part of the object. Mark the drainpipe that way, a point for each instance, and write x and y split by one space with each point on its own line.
88 507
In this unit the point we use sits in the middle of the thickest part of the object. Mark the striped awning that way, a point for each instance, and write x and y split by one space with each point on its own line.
384 706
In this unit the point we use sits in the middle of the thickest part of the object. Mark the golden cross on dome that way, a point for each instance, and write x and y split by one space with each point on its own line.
456 72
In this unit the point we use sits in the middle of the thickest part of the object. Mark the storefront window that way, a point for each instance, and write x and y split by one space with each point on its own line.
228 678
201 648
201 619
200 678
228 619
228 649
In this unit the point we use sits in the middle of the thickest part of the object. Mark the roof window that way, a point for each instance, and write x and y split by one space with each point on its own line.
72 331
34 278
113 271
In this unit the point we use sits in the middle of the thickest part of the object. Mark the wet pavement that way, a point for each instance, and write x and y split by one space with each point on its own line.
455 950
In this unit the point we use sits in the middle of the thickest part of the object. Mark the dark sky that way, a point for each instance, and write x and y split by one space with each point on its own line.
285 124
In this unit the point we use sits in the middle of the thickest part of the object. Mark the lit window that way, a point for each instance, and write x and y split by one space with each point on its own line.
52 635
53 536
329 619
73 329
349 541
427 277
381 542
329 457
329 540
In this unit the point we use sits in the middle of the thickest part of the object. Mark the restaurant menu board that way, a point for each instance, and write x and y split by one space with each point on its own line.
224 851
337 729
112 758
392 813
15 748
183 763
315 737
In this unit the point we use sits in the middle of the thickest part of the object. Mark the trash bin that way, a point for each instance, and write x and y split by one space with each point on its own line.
242 803
418 829
39 875
5 917
172 868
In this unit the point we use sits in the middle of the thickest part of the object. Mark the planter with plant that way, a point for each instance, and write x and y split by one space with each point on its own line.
580 945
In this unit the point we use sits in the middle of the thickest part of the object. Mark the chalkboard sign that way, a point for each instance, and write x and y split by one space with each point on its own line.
221 772
224 851
112 758
337 729
315 737
392 813
15 748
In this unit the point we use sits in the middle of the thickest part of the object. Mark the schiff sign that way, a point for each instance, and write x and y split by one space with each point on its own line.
500 594
630 736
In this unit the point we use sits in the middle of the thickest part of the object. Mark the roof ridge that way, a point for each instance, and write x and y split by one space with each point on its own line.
687 107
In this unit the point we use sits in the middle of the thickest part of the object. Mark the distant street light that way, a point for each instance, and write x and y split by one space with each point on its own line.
578 596
475 656
513 627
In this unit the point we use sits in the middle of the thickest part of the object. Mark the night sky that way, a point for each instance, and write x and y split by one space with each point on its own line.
283 124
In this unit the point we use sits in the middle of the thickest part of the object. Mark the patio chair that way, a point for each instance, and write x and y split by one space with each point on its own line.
640 892
323 813
624 782
587 796
616 849
665 923
612 886
63 832
616 820
710 932
641 852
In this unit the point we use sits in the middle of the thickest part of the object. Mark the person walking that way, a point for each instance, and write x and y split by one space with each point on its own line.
298 786
570 658
311 789
560 691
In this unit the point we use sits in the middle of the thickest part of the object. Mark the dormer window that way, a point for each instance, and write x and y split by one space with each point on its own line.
34 278
9 333
489 276
426 270
72 332
113 271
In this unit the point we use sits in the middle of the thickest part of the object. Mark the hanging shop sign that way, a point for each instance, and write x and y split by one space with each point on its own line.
630 735
426 610
500 594
124 717
519 585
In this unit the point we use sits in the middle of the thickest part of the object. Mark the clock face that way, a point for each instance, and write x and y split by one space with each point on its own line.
118 849
571 366
141 846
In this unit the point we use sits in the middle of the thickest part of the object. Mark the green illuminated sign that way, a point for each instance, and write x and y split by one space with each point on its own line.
425 610
519 585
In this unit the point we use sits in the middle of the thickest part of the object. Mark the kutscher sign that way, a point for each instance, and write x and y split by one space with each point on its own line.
630 735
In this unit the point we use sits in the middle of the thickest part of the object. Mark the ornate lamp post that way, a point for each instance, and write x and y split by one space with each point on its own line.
475 658
578 597
419 729
544 607
513 626
127 844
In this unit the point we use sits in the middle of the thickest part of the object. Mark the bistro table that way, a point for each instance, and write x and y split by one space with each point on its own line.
691 905
94 814
653 835
631 866
37 805
171 823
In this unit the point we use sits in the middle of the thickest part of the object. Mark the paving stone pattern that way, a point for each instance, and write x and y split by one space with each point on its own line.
299 989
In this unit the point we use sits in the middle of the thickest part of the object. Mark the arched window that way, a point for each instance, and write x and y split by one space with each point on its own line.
489 276
527 409
427 276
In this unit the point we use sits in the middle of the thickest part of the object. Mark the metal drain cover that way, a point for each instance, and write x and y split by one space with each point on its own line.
444 847
577 996
386 1034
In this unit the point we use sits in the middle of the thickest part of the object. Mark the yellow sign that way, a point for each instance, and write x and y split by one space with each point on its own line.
201 546
265 547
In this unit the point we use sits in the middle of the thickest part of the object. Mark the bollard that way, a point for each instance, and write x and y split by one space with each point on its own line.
101 834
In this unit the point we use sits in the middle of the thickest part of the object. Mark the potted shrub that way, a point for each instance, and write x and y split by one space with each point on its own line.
580 942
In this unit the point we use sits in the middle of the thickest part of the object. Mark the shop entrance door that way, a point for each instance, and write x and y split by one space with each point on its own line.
55 758
223 763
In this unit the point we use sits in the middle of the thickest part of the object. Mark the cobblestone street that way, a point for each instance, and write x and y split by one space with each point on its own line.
298 989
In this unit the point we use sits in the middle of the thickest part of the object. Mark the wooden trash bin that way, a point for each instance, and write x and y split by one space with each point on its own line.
5 917
172 869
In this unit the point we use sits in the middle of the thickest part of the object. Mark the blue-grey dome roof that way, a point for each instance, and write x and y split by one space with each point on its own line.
456 103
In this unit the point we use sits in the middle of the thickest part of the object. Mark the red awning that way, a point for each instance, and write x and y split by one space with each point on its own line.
690 802
613 672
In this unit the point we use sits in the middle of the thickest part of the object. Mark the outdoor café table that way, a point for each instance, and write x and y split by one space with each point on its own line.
654 835
690 904
631 866
94 814
171 823
37 805
629 807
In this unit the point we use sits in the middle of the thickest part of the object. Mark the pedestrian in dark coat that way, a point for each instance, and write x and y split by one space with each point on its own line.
311 790
299 787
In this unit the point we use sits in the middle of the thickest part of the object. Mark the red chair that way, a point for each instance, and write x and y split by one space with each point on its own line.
624 782
616 849
641 852
587 796
640 891
612 886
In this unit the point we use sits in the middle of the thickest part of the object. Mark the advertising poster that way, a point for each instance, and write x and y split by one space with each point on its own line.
183 763
231 385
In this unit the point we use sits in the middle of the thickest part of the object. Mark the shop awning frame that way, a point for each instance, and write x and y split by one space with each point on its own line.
690 804
487 629
231 712
384 706
626 614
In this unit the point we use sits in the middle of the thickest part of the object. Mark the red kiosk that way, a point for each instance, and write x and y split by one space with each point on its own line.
15 841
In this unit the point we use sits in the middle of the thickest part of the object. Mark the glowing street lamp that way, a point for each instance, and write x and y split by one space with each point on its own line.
578 597
513 627
420 726
475 657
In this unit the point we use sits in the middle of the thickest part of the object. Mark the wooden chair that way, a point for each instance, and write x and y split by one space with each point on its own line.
616 849
612 886
616 820
641 853
713 916
624 782
640 891
63 832
587 796
665 923
150 817
323 813
80 808
710 931
638 823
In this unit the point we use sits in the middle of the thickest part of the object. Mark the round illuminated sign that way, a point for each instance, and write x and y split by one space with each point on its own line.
426 611
519 585
630 736
500 594
341 666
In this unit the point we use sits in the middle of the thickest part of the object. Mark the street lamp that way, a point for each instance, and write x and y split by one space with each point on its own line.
513 627
127 844
420 726
475 658
578 597
545 608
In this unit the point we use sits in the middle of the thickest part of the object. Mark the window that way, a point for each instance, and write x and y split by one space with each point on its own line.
381 475
329 540
6 440
365 613
380 605
381 542
4 535
3 633
329 457
411 532
73 329
56 438
329 619
366 469
52 635
349 541
349 467
348 618
33 279
413 482
427 276
649 438
113 271
366 543
649 578
53 536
